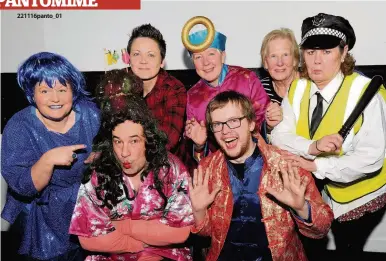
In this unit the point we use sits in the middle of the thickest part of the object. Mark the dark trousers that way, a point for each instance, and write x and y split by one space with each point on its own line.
350 238
315 248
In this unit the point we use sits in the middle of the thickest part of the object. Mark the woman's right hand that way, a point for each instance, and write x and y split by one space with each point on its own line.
274 114
196 131
63 156
42 170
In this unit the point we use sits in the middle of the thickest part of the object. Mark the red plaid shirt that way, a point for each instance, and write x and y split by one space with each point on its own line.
167 102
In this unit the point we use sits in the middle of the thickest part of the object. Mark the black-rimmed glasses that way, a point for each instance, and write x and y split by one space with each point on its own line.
231 123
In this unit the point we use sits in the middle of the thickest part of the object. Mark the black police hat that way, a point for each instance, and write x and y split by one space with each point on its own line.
325 31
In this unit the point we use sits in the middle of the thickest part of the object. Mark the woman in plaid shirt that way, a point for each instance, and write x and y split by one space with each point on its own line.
165 95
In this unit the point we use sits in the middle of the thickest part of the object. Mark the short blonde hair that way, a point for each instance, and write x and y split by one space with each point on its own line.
280 33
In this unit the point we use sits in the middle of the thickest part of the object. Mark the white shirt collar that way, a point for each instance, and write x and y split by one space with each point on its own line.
331 88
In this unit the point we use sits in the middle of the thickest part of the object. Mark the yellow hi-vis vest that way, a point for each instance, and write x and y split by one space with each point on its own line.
339 110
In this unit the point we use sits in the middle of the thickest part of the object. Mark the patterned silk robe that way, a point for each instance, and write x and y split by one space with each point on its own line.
283 240
91 220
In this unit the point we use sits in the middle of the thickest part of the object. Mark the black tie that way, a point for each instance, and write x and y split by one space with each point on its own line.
316 114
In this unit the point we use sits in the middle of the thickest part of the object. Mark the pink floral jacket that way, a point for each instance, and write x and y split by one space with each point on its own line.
89 219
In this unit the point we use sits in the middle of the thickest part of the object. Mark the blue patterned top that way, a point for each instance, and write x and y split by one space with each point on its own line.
246 239
44 216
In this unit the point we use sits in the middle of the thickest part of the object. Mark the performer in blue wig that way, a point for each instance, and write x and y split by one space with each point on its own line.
43 151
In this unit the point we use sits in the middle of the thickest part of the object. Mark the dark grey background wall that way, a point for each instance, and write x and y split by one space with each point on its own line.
13 99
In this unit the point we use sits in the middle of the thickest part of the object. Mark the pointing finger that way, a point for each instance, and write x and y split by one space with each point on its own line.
78 147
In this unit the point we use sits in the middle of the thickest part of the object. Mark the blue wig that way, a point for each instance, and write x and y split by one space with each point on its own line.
49 67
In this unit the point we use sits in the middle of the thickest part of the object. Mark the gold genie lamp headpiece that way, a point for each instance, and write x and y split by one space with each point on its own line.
204 39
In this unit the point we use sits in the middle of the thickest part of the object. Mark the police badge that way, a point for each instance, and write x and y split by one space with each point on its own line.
318 20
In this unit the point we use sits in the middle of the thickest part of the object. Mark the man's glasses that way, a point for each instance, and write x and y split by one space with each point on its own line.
231 123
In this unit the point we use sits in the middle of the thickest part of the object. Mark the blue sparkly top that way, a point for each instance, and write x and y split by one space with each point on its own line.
246 239
44 216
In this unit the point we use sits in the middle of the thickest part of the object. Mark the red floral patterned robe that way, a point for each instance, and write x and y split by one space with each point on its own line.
283 240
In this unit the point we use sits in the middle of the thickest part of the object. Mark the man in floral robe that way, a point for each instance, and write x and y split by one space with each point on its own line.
246 197
133 203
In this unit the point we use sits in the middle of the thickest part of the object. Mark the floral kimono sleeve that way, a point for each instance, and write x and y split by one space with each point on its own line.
178 210
89 219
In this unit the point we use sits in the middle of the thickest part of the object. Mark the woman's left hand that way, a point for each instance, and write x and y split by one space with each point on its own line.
274 114
196 131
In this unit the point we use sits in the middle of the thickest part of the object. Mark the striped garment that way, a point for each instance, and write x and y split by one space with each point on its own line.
268 87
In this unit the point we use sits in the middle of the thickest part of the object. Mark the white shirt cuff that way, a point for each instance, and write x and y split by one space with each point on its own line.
305 146
321 165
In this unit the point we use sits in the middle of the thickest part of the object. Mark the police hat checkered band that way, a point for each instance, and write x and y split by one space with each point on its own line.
324 31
